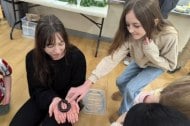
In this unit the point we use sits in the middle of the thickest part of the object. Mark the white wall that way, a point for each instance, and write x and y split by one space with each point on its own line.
182 23
77 22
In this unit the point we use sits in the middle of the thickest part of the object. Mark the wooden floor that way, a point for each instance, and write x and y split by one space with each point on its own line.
14 52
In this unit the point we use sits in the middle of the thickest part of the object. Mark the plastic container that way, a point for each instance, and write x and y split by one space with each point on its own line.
28 27
95 102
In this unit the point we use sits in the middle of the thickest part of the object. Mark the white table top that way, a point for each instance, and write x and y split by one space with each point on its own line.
92 11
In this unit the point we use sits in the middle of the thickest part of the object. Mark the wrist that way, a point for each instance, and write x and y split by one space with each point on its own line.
88 83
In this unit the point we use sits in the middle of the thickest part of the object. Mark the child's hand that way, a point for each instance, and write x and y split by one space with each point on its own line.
6 99
147 41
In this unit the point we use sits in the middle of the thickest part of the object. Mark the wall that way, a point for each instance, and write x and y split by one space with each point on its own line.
182 23
77 22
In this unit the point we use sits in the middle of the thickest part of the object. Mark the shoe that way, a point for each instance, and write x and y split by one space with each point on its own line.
116 96
113 117
127 61
173 71
4 109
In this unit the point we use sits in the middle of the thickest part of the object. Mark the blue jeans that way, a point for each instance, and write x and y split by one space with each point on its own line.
132 80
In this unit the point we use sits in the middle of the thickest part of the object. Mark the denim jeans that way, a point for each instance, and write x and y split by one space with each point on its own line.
132 80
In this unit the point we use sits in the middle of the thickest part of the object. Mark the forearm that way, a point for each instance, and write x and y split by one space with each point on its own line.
7 80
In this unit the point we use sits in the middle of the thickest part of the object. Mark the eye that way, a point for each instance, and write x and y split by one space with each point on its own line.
62 43
137 25
50 46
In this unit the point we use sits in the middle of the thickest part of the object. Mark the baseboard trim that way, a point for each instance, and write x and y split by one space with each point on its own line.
87 35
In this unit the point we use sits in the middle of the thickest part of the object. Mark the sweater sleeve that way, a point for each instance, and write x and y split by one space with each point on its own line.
166 57
79 69
108 63
40 93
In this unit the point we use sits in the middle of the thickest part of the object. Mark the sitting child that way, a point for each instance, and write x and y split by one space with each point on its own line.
154 114
5 86
175 95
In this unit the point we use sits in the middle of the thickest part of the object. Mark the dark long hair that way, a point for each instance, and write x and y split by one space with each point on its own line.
45 35
146 12
154 114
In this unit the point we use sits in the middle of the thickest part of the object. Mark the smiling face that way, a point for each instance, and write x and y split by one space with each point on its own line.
56 49
134 26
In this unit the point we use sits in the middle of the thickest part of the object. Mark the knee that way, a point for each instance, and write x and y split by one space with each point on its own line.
131 92
119 81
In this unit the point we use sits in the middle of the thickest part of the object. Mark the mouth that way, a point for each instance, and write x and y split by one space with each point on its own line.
134 34
57 56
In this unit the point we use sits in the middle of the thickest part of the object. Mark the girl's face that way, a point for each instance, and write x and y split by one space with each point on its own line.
56 50
134 26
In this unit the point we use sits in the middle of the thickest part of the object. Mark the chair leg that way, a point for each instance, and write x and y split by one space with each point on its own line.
11 33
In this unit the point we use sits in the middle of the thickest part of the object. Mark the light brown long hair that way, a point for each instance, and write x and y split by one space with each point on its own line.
177 95
146 11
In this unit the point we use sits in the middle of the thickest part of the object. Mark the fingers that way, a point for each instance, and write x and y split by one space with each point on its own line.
5 101
50 110
80 97
76 107
56 116
73 97
52 106
147 41
61 117
70 94
72 116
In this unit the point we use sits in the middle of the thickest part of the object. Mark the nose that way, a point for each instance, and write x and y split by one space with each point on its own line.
130 29
57 50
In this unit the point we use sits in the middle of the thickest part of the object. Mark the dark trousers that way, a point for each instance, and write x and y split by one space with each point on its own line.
30 115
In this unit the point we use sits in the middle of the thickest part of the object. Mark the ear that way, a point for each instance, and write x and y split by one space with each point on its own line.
156 21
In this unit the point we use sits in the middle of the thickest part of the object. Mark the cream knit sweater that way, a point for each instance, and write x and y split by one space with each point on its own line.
161 53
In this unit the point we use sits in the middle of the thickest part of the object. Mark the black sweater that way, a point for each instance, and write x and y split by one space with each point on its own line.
70 72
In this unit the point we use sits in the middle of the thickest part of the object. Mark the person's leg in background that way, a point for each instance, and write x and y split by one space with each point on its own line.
130 82
28 115
184 56
130 72
136 84
166 6
50 121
